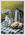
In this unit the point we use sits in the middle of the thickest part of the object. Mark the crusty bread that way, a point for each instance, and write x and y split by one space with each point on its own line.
20 25
15 24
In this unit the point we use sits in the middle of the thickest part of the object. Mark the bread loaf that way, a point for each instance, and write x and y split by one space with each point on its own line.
15 24
20 25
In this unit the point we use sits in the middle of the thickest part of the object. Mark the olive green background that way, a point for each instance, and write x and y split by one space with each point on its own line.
11 5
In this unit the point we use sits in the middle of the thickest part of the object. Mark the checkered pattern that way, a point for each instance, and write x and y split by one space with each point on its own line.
8 30
11 31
